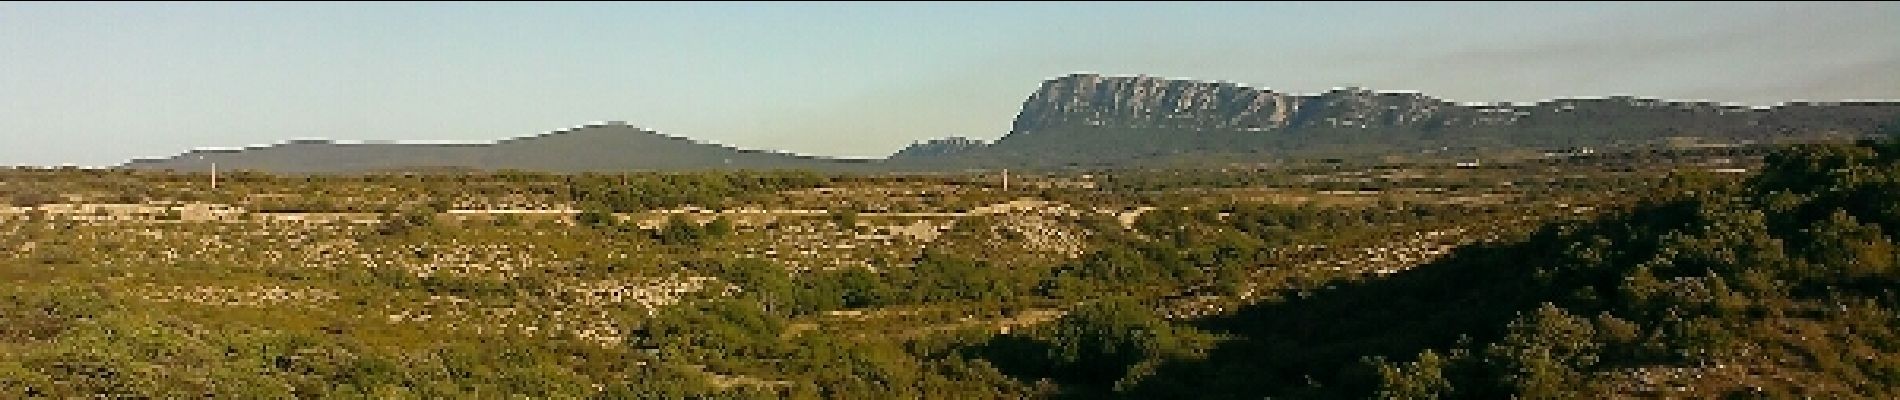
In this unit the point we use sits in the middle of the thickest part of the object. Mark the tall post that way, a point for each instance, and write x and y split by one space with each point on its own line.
214 175
1006 179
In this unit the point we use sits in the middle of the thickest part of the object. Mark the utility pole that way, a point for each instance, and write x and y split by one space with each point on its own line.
214 172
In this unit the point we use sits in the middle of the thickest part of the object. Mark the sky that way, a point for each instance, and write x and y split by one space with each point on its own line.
96 84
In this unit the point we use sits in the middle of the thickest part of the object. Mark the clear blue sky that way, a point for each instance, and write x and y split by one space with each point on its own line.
96 84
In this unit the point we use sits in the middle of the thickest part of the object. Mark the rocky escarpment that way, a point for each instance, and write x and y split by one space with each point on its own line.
1091 121
1145 102
1151 102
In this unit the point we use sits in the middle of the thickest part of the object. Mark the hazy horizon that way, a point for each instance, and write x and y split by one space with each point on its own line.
99 84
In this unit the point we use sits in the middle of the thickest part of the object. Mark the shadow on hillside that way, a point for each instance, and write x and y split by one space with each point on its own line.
1317 346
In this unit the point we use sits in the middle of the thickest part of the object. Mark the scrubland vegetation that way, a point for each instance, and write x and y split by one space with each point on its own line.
1764 273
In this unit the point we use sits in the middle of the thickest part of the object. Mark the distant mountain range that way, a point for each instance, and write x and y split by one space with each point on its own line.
1095 121
1102 121
610 146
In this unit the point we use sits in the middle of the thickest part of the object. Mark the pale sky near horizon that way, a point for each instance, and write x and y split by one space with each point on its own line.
96 84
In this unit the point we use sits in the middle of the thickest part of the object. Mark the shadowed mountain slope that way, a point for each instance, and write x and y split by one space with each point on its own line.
601 147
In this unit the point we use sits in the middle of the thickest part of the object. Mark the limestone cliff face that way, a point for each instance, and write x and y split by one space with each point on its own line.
1093 120
1151 102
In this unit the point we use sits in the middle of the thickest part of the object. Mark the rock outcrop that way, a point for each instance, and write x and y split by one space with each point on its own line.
1090 120
1152 102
